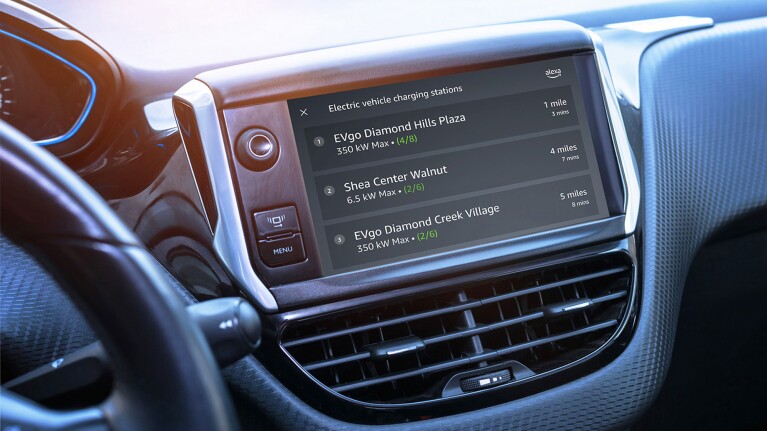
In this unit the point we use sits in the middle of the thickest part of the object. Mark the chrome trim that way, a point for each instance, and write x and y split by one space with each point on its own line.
626 160
228 238
159 115
625 42
619 48
29 15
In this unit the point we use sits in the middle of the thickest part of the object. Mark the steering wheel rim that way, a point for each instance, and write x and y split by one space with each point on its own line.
165 374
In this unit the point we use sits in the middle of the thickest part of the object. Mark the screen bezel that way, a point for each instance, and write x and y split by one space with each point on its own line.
234 98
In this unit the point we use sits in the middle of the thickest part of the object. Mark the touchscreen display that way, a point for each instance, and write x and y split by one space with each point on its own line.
410 169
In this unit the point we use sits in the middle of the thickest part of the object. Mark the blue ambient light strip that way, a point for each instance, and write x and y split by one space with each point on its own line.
91 97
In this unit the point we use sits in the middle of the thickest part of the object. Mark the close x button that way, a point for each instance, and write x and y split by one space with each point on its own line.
282 251
276 222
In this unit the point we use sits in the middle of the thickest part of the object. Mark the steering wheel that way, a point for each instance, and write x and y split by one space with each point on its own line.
165 374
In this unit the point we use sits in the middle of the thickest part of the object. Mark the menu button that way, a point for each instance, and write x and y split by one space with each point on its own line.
282 251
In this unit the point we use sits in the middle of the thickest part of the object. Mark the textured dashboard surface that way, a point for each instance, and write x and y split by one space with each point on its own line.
705 144
39 322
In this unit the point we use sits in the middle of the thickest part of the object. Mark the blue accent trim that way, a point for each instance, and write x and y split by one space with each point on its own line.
91 97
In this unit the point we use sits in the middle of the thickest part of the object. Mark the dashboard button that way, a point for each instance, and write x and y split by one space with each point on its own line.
282 251
260 146
276 222
257 149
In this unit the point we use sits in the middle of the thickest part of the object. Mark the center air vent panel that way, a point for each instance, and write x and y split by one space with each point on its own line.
408 350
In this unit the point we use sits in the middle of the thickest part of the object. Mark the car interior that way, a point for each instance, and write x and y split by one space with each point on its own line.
410 215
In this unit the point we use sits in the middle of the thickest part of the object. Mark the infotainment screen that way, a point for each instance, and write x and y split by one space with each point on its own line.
405 170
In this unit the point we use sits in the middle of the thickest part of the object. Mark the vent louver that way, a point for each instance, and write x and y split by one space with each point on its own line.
407 351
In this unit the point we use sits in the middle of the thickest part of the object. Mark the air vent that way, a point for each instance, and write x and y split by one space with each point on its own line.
416 349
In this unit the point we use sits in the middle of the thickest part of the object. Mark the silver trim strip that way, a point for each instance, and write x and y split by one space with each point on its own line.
29 15
625 42
159 115
228 238
626 160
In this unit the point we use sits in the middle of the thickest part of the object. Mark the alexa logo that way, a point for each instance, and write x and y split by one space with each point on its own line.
553 73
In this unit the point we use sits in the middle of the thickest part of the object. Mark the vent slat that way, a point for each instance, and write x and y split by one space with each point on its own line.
481 329
390 322
554 338
429 341
458 334
542 319
483 356
610 297
555 284
479 357
337 361
461 307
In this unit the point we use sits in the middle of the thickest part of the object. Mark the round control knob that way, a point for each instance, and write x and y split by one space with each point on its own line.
260 146
257 149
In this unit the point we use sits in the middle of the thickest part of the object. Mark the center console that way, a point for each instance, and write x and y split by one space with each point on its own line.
433 223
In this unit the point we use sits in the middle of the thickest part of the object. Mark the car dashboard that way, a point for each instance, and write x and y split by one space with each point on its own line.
481 223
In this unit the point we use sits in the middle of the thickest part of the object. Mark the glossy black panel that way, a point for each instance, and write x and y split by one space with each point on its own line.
41 94
62 87
167 216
